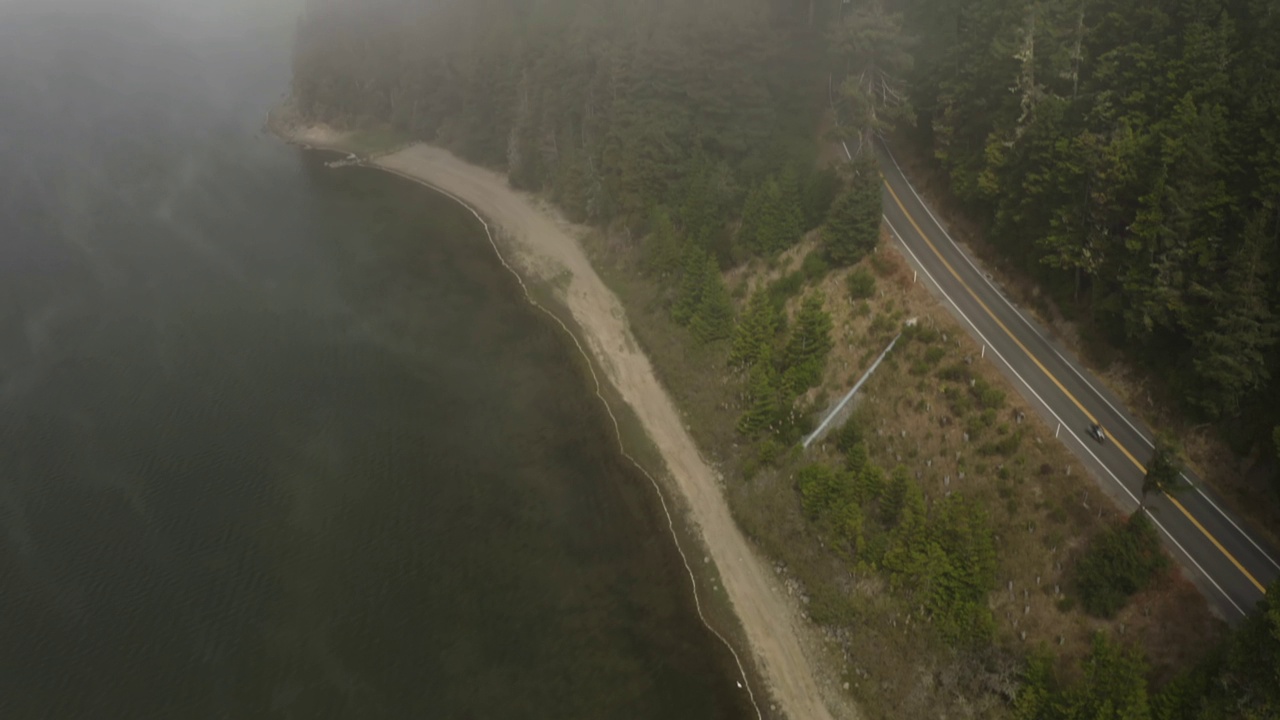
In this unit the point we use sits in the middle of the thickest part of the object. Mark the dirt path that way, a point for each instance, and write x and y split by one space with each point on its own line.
546 246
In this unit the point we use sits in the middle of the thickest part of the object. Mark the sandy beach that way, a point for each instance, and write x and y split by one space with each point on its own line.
538 244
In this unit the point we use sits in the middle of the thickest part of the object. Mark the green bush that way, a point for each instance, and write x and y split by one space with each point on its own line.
814 267
862 284
849 435
977 424
881 264
1005 446
785 288
986 395
881 324
960 401
955 372
1120 561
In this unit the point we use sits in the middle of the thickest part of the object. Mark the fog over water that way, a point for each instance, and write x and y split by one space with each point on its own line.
281 441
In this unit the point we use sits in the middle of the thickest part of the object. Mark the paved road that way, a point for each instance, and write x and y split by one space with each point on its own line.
1231 566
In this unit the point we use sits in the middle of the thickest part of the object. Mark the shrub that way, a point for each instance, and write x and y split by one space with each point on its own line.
955 372
881 324
785 288
1120 561
814 267
988 396
1005 446
881 264
862 284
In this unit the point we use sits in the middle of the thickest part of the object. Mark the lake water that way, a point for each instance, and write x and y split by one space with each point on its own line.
278 441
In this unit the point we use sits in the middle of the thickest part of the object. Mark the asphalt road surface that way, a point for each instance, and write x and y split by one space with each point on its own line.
1230 565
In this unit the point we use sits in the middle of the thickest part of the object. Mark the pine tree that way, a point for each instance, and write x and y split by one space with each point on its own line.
913 558
662 250
754 334
765 410
1163 470
771 218
876 56
820 489
713 319
692 282
1114 684
1035 697
1231 348
820 190
805 356
957 597
895 497
870 479
853 224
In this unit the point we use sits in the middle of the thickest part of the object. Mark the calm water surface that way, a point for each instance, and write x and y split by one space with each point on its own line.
278 441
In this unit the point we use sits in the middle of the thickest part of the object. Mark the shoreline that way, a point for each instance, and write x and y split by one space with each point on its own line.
545 249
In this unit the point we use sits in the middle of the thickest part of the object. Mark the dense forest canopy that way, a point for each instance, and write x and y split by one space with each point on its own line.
611 106
1129 154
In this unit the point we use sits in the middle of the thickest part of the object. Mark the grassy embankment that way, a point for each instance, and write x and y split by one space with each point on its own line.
1043 508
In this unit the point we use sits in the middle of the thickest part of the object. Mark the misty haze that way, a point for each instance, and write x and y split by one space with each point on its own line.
808 359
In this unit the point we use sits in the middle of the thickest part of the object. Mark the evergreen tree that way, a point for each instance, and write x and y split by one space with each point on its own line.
805 356
869 476
1119 562
771 218
662 250
1164 471
895 497
853 224
1114 684
754 335
1231 346
913 557
713 320
765 409
1034 700
820 189
876 57
692 281
958 596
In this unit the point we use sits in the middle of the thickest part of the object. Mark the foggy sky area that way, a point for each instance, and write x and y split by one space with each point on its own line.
111 111
85 84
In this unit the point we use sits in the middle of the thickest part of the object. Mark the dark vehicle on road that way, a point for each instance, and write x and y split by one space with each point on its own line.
1097 433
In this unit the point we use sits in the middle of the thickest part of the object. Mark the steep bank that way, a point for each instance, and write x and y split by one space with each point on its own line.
545 248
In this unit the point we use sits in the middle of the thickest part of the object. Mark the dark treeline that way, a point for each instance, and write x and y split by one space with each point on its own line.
611 106
1129 155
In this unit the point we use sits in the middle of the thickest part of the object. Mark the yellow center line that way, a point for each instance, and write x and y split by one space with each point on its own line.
1056 382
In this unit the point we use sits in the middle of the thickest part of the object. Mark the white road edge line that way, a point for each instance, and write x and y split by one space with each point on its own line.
1058 418
1061 357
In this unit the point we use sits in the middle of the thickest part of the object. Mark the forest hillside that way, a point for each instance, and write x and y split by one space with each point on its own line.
1125 155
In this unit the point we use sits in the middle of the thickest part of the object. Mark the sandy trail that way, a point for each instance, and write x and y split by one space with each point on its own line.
546 246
